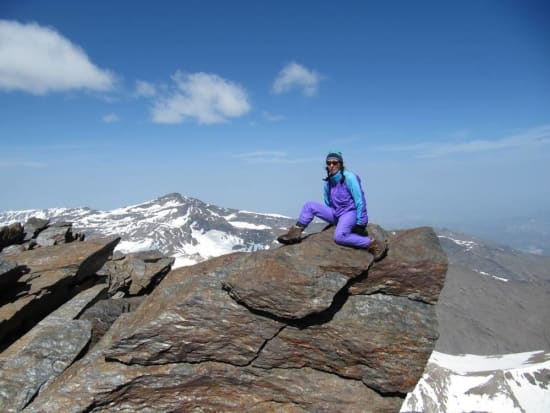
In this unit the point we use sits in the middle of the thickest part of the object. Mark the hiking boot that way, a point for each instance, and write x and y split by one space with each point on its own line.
293 236
378 249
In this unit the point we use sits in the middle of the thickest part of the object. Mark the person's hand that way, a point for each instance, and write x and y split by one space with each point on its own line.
360 230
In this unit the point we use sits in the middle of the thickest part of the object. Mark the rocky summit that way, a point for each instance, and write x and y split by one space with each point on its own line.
57 298
310 327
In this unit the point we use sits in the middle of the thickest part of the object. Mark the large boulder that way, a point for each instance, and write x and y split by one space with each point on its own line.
412 268
205 340
194 320
296 281
52 275
11 234
55 234
94 384
136 273
28 365
34 226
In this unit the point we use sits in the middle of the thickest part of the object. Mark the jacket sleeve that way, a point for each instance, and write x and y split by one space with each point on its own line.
326 194
354 186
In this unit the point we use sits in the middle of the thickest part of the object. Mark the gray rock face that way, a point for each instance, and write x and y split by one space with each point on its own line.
105 312
44 352
194 320
52 276
38 274
58 233
36 232
475 316
92 385
382 340
136 273
33 226
495 299
11 234
193 346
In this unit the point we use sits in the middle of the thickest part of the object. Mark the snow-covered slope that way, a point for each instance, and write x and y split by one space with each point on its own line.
178 226
512 383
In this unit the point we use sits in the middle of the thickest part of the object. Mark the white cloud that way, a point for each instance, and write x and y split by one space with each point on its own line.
205 97
39 60
296 76
111 118
145 89
535 136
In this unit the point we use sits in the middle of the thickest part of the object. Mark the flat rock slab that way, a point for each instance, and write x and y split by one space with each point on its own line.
54 235
96 385
296 281
50 272
78 256
191 319
382 340
29 364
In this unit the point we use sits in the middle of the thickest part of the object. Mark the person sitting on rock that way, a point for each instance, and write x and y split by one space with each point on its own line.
345 206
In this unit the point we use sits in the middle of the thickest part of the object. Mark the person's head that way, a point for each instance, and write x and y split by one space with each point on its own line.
334 162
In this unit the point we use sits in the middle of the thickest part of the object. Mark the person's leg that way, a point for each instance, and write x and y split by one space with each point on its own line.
343 234
311 210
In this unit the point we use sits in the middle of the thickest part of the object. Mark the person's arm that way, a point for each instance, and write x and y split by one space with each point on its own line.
326 194
356 192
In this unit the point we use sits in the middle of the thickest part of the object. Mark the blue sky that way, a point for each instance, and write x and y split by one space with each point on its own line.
443 108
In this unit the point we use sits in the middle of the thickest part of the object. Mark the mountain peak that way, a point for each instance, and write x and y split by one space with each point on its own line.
173 196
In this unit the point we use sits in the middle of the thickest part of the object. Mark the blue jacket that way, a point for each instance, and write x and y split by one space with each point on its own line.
346 196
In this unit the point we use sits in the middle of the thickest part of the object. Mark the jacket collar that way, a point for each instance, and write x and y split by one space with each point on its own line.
336 177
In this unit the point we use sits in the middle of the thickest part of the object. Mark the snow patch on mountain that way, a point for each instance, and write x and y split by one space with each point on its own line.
213 243
135 246
507 383
492 276
468 245
267 215
248 225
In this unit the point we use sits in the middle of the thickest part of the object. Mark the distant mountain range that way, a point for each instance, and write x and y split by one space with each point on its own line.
525 233
178 226
495 299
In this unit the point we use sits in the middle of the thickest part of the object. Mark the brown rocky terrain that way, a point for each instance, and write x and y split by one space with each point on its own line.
306 327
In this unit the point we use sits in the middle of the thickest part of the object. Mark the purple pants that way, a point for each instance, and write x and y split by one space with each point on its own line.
344 224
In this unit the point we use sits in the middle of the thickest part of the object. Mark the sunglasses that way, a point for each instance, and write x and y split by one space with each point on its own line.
329 163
